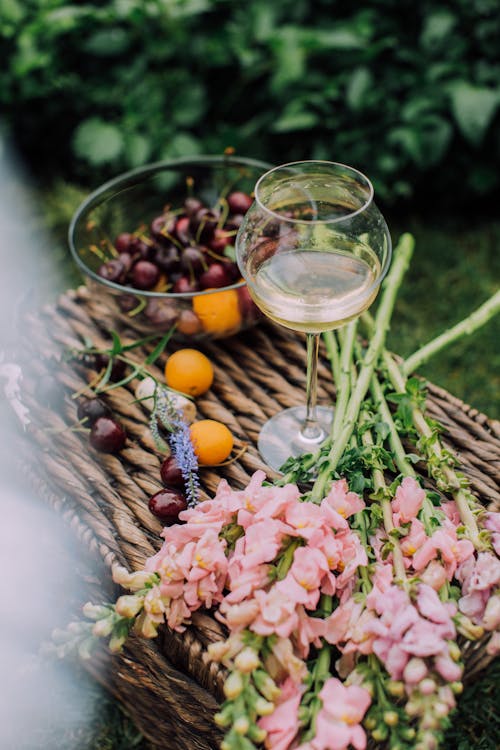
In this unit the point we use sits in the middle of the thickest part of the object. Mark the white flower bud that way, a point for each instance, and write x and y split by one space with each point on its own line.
247 660
241 725
233 686
129 605
144 393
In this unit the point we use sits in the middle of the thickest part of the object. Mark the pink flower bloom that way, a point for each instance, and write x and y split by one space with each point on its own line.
493 645
337 623
407 501
282 725
238 616
426 638
288 662
430 605
434 575
304 577
452 512
447 668
486 572
491 617
492 523
345 503
473 605
444 541
306 518
414 540
242 582
262 541
276 612
338 721
309 630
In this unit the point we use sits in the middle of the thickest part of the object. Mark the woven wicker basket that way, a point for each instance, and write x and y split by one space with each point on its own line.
104 497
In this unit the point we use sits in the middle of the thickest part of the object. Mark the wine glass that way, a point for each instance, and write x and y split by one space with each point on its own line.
313 249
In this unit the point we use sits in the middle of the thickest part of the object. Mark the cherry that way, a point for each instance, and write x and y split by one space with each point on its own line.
167 504
91 409
117 370
122 242
192 260
126 259
167 258
139 249
234 221
248 308
239 202
185 285
107 435
162 225
112 270
215 276
170 473
192 205
220 240
160 312
188 323
203 224
182 230
127 302
145 274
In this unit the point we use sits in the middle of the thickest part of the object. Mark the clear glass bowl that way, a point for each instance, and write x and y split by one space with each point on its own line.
128 204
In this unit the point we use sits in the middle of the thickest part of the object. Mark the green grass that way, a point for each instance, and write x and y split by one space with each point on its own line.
453 271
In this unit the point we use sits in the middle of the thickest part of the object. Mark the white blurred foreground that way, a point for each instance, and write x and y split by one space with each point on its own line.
42 704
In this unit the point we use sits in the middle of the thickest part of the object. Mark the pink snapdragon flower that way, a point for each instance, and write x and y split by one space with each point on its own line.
344 502
492 523
338 724
444 542
407 501
282 725
480 577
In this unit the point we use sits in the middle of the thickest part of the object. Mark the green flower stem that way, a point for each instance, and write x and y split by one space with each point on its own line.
332 352
466 327
391 285
381 495
344 380
398 451
398 380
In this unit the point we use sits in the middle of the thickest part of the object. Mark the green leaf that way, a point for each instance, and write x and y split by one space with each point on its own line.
107 42
97 142
436 27
159 348
473 108
295 121
358 86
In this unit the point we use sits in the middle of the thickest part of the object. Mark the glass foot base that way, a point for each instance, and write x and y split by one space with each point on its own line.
280 437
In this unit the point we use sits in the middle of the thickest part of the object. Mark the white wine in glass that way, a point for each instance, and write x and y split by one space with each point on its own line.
313 249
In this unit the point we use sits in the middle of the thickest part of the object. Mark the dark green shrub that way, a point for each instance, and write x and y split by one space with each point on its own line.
406 91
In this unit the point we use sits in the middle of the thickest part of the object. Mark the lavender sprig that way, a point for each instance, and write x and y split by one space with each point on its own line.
179 441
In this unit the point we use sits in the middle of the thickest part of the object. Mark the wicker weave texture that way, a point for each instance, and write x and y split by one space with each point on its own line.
104 497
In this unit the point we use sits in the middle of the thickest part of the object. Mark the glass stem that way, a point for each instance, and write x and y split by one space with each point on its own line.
311 430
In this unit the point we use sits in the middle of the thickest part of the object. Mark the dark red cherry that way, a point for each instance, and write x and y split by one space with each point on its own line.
170 473
161 312
185 285
192 205
203 225
145 274
117 370
122 242
139 249
248 308
239 202
112 270
167 258
107 435
220 240
192 260
167 504
214 277
182 230
91 409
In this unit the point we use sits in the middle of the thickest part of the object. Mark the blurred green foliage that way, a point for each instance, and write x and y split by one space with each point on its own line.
408 92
